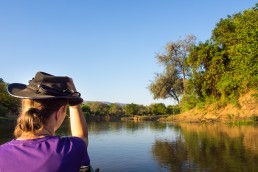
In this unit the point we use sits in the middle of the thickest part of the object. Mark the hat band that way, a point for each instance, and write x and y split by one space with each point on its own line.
44 89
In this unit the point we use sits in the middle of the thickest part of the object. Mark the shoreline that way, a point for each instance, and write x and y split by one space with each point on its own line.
246 112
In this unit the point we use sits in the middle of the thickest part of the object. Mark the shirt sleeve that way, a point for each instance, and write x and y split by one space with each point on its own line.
81 148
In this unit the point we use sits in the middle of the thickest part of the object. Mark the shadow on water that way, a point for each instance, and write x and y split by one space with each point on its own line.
209 148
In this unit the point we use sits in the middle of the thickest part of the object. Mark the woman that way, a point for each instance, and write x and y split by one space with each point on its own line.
36 148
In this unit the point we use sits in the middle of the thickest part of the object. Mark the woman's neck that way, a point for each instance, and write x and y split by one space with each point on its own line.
43 133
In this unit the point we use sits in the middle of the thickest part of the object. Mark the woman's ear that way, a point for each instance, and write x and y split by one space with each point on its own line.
59 113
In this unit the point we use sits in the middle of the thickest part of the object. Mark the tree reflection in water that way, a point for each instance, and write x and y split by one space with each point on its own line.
154 146
6 130
209 148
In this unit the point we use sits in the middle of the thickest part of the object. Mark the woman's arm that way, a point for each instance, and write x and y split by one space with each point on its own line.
78 122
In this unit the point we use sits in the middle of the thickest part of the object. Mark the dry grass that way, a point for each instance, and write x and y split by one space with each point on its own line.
248 110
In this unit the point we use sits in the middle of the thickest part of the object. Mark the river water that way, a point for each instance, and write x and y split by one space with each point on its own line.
154 146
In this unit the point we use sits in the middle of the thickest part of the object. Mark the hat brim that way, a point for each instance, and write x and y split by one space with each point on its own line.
23 91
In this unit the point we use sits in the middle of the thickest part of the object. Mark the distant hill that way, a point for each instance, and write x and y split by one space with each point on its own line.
105 102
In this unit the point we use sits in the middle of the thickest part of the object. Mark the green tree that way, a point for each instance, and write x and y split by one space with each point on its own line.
176 55
131 109
167 85
158 109
143 110
237 35
226 65
104 109
86 109
173 80
173 110
99 108
116 109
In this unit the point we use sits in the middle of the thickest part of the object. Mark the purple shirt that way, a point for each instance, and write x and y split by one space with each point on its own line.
48 154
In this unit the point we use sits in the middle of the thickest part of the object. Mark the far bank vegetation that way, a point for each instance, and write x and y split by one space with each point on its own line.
9 108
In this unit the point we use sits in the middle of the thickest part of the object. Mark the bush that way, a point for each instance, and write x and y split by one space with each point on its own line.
3 110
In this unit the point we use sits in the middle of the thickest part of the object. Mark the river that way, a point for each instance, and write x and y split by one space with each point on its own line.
155 146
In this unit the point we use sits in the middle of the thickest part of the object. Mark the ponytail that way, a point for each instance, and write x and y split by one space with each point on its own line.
31 121
34 115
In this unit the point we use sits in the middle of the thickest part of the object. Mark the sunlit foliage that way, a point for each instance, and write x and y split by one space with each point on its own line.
219 69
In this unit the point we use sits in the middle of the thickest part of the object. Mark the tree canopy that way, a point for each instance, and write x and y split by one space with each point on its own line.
227 64
171 83
220 69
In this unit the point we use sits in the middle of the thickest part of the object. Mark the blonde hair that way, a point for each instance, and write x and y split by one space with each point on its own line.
34 115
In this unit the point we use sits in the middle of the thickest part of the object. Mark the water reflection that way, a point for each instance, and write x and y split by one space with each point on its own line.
6 130
125 146
153 146
130 126
209 148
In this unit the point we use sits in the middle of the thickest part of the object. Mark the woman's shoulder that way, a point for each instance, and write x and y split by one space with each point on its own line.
71 139
71 142
72 147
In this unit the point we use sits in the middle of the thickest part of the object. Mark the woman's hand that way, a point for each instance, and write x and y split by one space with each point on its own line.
77 119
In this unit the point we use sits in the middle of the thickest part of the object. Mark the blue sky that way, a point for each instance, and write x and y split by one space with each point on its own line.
107 46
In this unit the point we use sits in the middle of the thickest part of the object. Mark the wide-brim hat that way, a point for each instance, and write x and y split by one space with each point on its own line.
46 86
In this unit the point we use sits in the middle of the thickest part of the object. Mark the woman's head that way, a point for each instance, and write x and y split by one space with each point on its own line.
35 115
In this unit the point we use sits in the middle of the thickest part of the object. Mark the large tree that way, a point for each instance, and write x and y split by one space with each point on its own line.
172 82
176 54
167 85
227 64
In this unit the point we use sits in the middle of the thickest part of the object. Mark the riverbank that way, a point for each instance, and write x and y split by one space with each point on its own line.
247 112
144 118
